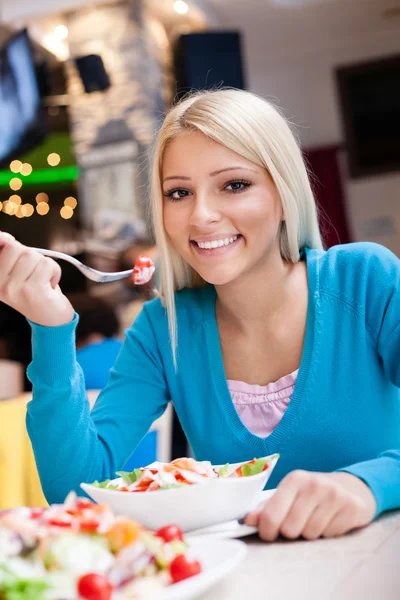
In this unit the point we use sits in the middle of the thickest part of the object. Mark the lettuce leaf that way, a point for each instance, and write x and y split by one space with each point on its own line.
170 486
223 472
255 468
130 478
105 484
13 587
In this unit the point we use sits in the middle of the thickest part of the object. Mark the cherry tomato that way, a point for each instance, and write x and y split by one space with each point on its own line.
143 261
182 568
169 533
94 587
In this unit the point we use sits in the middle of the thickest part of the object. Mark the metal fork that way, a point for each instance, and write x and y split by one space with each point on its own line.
93 274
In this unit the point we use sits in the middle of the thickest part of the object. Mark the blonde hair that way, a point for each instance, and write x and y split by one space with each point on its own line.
253 128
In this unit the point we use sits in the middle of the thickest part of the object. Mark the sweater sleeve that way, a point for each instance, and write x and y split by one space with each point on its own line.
382 310
72 444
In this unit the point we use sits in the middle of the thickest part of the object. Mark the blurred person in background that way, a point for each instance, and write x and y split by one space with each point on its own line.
97 342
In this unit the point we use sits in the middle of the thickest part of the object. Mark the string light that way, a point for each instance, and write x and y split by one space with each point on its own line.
66 212
53 159
10 207
26 169
71 201
42 197
1 206
15 184
28 209
20 213
16 166
42 208
16 199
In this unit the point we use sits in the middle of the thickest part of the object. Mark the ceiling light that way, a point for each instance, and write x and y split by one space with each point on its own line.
61 32
181 7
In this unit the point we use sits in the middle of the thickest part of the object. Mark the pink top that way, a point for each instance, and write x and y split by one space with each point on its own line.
261 407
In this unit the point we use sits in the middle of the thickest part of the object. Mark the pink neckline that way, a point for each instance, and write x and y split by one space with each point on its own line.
273 387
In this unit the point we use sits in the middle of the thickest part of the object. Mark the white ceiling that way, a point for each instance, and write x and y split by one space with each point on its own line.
272 32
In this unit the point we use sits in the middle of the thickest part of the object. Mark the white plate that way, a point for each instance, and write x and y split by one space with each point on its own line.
232 529
191 507
217 557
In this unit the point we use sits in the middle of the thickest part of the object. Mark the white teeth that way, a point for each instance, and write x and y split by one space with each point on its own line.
217 243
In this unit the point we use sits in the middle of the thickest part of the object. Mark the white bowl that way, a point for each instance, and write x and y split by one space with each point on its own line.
191 507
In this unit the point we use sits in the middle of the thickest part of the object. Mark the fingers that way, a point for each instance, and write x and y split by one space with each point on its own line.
312 505
24 266
345 520
46 271
273 513
318 522
10 252
24 271
6 235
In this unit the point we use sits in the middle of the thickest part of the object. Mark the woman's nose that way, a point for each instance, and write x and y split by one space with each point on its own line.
204 212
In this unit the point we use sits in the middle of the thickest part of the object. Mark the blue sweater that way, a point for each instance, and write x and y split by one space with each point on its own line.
344 412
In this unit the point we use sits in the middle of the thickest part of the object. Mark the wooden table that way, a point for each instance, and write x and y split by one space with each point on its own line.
364 565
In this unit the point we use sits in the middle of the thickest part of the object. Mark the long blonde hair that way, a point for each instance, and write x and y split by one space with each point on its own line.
253 128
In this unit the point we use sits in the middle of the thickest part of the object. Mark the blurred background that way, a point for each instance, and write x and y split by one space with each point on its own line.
84 85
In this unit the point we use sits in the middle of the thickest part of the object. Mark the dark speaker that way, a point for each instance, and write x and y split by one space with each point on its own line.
208 60
43 77
92 72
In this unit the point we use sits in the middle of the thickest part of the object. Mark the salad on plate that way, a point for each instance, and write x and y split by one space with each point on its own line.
179 473
81 550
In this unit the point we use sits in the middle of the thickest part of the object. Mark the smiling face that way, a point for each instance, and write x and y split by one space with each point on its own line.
222 212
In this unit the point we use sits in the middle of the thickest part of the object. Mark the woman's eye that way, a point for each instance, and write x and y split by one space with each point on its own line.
176 194
237 186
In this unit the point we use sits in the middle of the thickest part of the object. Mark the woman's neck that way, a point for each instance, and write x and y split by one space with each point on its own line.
258 298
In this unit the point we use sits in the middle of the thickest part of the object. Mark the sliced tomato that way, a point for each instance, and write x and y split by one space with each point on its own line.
182 568
169 533
89 525
94 587
36 513
63 520
84 503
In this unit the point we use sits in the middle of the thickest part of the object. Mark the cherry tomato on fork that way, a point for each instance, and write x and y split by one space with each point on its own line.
94 587
182 568
143 261
169 533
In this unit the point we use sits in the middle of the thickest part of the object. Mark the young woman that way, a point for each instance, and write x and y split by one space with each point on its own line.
263 341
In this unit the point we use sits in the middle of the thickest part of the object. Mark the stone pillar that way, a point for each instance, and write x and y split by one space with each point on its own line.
112 130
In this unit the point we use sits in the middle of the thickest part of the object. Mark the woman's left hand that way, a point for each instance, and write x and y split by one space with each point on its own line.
313 505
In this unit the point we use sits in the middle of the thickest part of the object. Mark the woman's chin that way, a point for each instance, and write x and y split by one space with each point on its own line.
218 278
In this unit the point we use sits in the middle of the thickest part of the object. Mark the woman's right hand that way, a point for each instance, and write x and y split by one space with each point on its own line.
29 284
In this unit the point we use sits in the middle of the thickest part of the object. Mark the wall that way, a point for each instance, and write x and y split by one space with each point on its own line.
305 87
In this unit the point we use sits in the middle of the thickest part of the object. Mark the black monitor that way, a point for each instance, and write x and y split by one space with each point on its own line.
369 95
22 117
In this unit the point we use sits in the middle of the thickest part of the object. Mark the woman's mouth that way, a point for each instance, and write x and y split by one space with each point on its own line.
216 247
